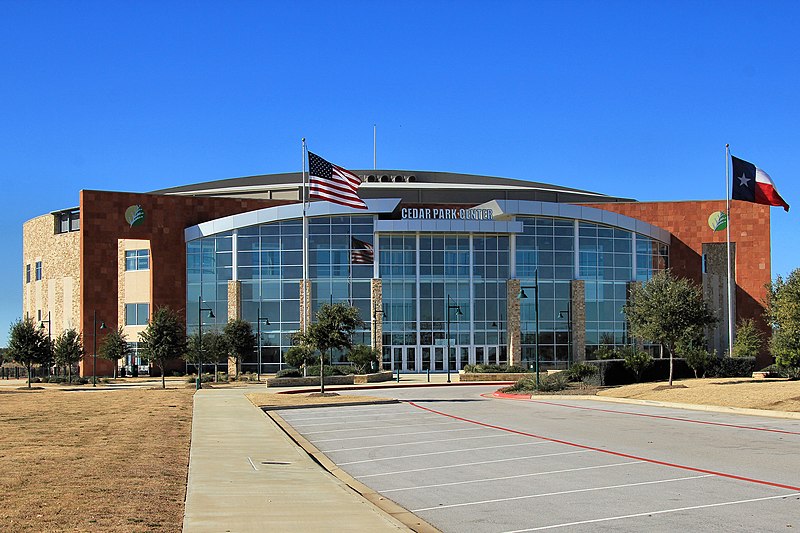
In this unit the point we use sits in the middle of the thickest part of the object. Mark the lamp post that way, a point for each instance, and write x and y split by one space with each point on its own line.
522 294
94 346
567 314
266 321
375 312
200 309
450 306
49 334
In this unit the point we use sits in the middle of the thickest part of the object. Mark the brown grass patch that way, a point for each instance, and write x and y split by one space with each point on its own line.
265 399
772 394
94 460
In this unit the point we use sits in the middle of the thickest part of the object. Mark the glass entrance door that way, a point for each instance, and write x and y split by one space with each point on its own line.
405 358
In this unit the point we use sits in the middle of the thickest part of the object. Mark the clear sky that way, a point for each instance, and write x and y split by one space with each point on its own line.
632 99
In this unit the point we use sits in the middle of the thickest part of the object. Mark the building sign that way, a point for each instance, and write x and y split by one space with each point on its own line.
134 215
718 221
446 214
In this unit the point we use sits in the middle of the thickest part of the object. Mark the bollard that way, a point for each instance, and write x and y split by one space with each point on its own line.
398 375
429 374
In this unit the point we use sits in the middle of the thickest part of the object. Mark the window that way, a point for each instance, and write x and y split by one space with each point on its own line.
66 221
38 270
137 314
137 259
28 273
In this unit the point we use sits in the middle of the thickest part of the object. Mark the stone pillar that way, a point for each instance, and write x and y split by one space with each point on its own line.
377 318
512 312
715 291
578 319
234 313
305 304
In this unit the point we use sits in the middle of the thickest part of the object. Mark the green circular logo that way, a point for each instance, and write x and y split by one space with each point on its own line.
134 215
718 221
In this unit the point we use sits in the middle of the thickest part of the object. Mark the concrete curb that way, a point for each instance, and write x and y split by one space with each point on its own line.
398 386
673 405
401 514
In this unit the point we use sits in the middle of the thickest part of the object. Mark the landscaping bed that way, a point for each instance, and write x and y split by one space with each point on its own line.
499 376
313 380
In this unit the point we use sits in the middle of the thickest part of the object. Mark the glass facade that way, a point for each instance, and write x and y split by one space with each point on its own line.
432 283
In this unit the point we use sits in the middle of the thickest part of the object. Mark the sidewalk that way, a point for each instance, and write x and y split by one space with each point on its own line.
245 475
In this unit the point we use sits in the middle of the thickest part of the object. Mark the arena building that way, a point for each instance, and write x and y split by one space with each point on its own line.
436 256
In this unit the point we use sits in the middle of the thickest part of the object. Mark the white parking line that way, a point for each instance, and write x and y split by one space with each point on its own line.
539 443
650 513
398 434
306 433
484 480
559 493
339 414
438 441
339 422
473 463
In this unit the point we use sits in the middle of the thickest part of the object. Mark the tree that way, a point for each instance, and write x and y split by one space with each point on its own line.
164 339
214 349
240 340
666 310
363 357
639 361
333 330
749 340
783 313
115 347
68 350
29 345
300 354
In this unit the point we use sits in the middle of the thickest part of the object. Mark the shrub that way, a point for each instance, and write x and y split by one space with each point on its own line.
789 363
731 367
289 373
336 370
604 351
581 372
553 382
698 359
749 340
363 357
638 361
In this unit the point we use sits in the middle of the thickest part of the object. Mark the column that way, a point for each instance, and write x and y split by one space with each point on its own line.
512 322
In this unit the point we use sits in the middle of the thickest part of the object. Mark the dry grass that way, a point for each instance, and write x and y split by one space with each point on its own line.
264 399
94 460
771 394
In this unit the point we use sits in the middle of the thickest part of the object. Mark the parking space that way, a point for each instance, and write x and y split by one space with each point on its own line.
467 463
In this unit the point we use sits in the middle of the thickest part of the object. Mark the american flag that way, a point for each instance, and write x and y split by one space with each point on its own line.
332 183
362 252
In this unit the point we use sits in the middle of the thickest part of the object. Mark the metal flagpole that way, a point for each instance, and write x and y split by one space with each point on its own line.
728 231
305 239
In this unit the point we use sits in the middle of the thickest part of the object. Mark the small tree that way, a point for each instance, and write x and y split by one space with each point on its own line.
29 345
666 309
697 358
333 330
214 349
164 339
783 313
240 340
300 355
115 347
639 361
749 339
363 357
68 350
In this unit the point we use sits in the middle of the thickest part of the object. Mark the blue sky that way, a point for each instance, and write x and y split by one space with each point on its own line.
632 99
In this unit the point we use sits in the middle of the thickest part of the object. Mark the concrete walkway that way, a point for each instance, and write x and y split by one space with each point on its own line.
245 475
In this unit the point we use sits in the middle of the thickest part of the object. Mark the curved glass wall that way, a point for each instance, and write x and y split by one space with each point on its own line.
430 282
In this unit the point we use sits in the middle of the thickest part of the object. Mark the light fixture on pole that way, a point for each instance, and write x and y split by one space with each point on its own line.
450 306
384 315
49 333
522 295
200 310
94 347
260 319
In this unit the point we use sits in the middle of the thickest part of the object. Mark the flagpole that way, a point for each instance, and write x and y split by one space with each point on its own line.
728 232
305 238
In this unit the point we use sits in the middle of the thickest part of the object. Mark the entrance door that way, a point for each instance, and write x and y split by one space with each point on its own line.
426 358
410 360
438 359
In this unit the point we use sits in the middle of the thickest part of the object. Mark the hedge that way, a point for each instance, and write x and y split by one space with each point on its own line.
614 371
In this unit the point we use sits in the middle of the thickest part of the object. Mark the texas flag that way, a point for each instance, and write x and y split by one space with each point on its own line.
752 184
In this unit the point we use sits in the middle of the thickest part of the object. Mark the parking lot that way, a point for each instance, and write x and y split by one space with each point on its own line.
465 462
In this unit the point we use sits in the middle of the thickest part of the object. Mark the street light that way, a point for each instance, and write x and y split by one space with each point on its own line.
521 295
200 310
450 306
265 320
49 334
567 314
384 315
94 347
